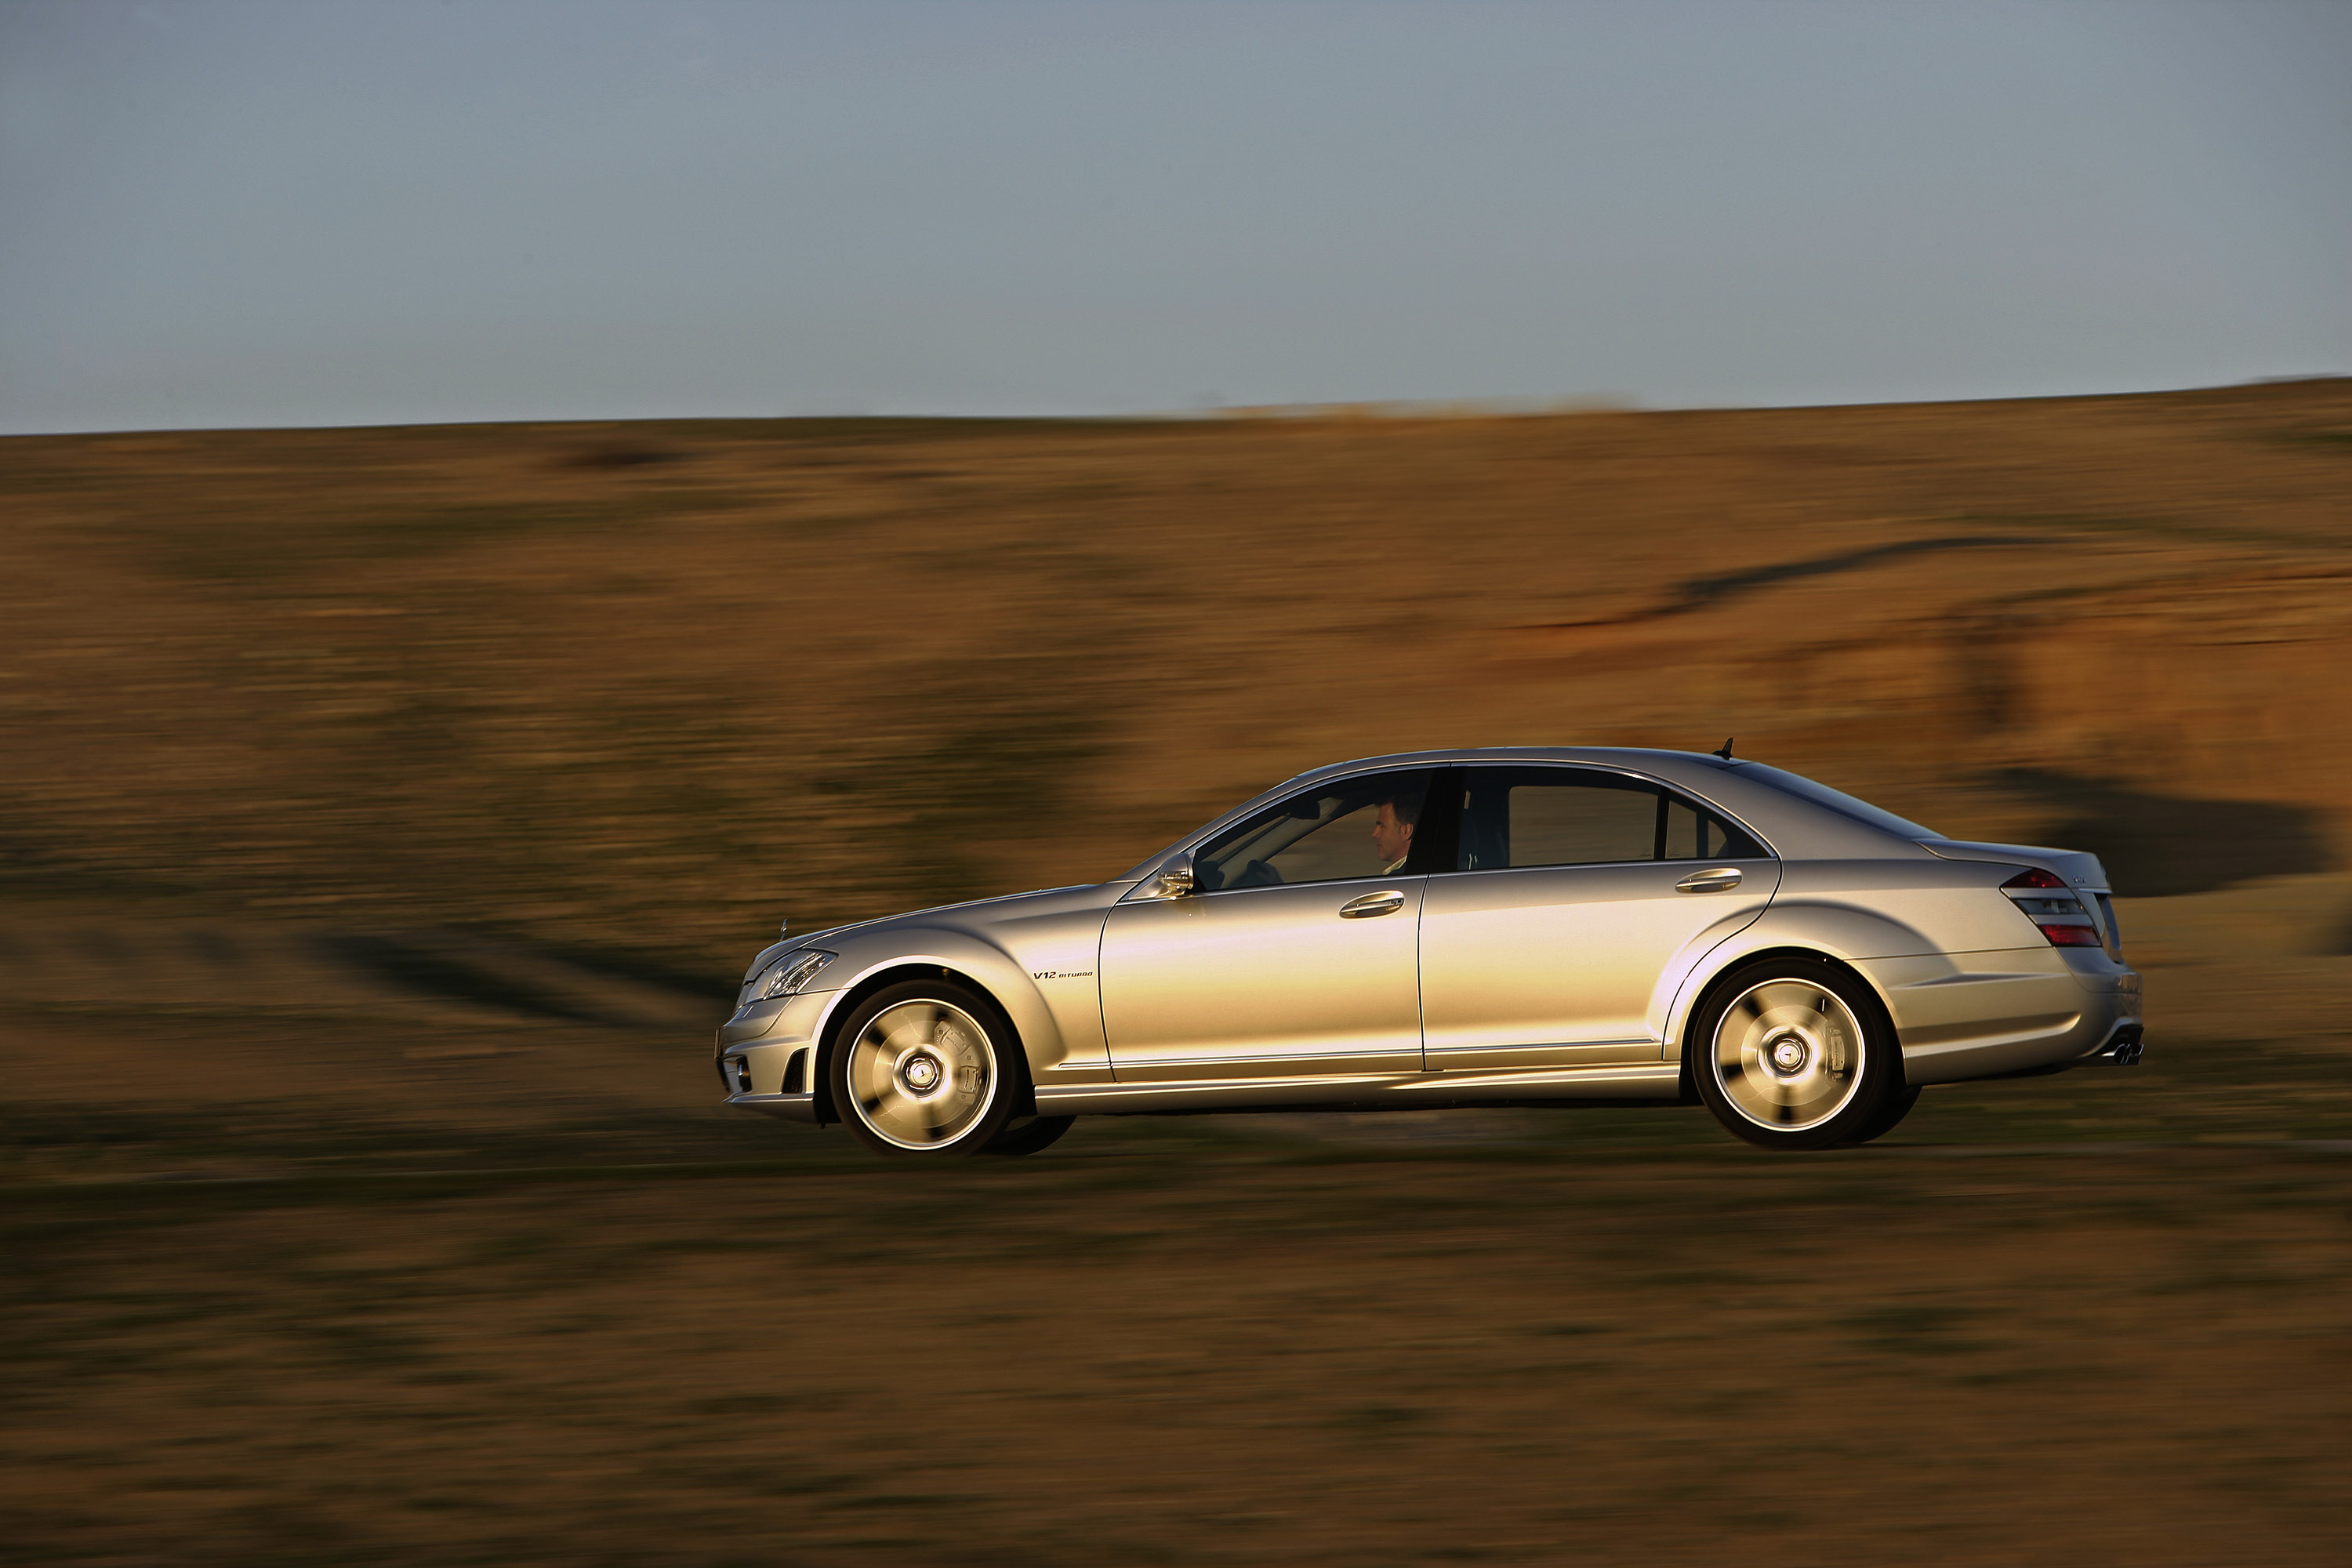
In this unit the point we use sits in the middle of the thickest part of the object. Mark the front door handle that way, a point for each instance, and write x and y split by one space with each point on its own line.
1371 904
1716 882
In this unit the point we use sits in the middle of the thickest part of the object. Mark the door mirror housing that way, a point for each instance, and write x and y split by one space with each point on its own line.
1175 879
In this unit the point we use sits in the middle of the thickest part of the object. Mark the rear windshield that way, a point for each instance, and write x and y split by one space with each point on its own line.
1835 800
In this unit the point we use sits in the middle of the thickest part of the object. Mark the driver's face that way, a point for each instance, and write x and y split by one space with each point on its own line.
1391 839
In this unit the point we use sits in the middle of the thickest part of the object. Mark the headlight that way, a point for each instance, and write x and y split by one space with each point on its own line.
789 975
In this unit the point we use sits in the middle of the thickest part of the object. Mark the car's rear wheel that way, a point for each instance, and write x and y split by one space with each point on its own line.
927 1067
1793 1054
1029 1135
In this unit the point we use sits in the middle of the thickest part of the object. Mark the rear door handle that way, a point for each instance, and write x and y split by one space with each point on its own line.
1371 904
1715 881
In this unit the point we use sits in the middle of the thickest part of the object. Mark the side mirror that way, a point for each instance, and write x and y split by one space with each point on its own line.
1176 876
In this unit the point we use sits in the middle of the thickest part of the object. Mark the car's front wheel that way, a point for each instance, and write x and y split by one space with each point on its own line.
927 1067
1793 1054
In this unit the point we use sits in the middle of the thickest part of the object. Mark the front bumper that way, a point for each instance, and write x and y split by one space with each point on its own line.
767 1056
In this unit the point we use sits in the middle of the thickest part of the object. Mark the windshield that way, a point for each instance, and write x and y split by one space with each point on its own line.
1835 800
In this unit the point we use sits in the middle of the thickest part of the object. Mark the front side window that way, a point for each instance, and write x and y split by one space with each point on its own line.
1355 827
1518 816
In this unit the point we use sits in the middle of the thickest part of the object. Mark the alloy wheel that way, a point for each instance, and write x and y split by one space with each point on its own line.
1788 1054
922 1074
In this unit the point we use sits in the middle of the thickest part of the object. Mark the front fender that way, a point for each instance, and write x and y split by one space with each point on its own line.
986 965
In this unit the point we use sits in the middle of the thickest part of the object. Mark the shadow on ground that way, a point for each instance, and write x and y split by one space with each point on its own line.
2158 845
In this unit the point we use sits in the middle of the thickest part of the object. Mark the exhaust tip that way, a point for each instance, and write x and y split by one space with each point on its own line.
2128 1047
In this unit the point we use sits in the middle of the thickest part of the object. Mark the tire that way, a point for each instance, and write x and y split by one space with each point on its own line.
927 1068
1891 1111
1029 1136
1794 1053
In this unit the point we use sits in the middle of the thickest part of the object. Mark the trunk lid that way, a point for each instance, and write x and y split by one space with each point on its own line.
2081 870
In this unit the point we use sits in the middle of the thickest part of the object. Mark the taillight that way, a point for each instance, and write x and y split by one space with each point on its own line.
2046 901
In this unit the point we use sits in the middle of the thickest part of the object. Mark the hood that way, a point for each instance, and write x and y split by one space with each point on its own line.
1004 904
2079 869
827 935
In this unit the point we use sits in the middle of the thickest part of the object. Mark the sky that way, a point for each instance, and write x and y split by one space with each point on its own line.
393 211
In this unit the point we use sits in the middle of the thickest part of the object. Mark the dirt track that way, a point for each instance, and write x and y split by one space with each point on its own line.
1174 1352
386 803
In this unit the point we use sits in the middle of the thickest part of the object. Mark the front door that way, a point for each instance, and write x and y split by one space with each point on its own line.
1573 889
1297 954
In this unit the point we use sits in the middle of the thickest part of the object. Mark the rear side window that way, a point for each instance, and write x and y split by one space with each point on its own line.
1694 833
1521 817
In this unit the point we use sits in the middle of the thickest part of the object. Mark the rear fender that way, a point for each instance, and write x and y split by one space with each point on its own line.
1841 932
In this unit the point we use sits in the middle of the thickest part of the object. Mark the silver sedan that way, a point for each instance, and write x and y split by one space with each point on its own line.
1546 926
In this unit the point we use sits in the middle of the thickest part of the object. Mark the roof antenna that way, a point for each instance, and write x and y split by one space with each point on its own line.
1725 752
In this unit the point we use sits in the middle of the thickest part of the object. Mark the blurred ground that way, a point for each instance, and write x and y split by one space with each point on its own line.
386 804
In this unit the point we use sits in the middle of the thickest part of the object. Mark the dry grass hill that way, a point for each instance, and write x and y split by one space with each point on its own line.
381 805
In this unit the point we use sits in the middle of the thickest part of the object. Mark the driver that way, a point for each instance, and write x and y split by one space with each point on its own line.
1392 832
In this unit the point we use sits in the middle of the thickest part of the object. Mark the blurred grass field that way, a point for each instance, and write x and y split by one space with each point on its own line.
389 813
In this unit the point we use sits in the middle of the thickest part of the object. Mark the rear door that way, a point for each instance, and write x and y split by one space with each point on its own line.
1571 892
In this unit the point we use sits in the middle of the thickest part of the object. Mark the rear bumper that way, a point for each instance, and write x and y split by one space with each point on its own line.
2012 1012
